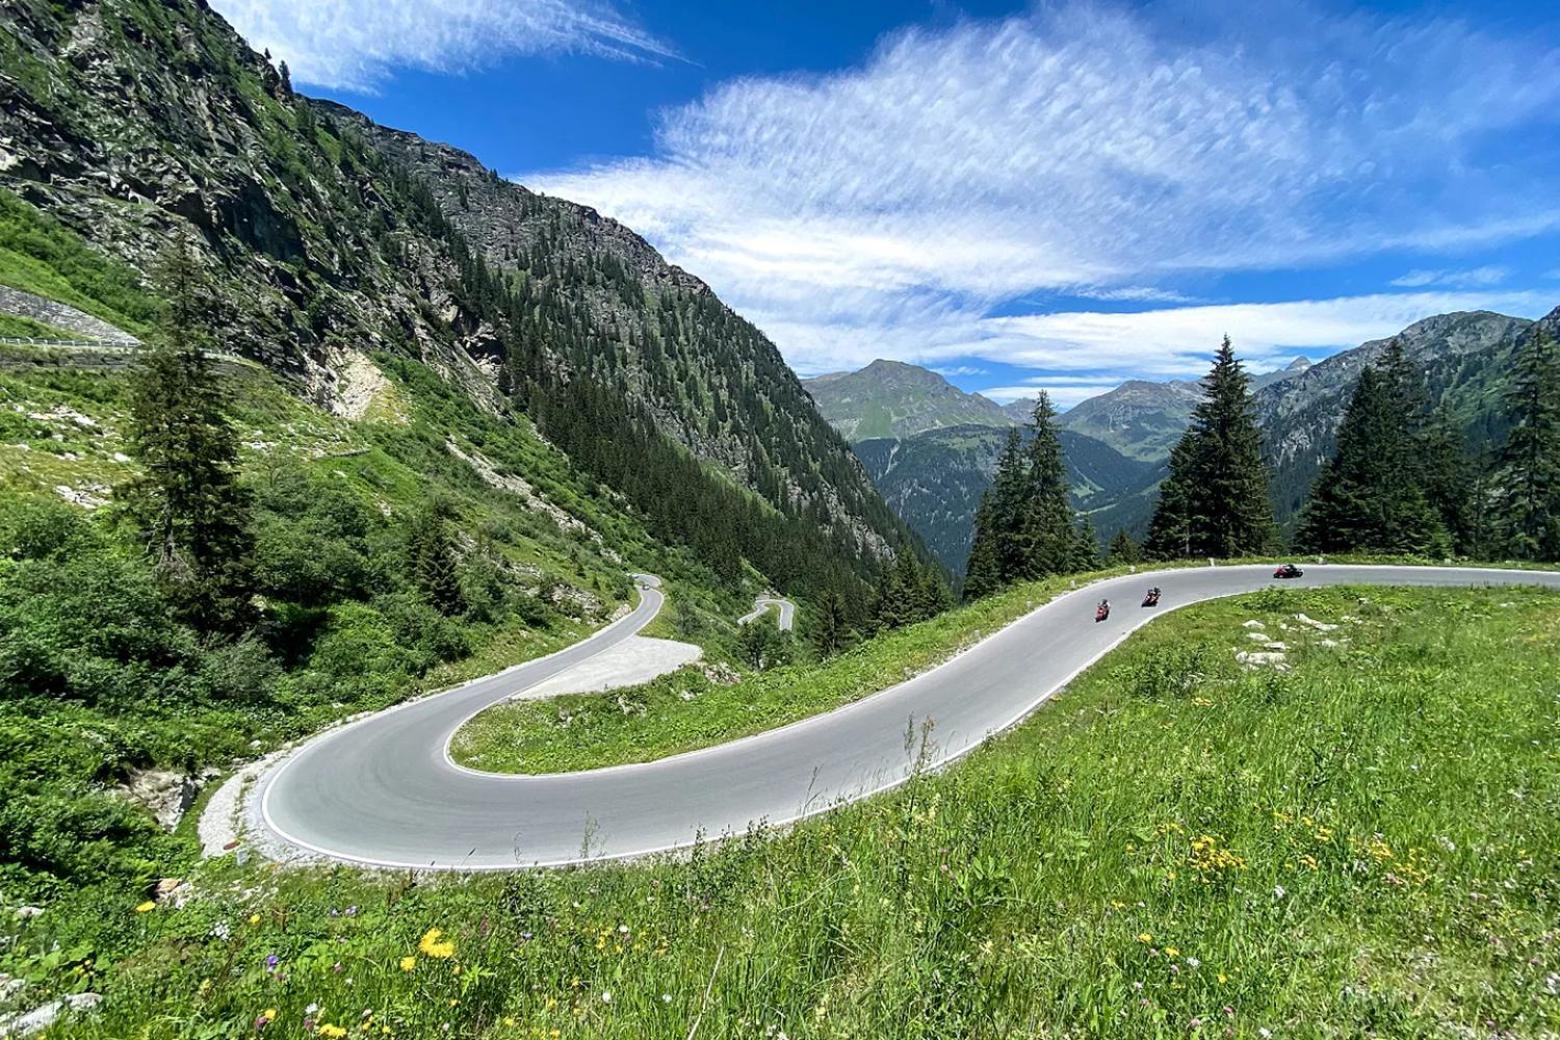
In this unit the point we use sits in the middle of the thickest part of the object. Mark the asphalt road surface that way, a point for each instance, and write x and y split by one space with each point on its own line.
761 607
382 791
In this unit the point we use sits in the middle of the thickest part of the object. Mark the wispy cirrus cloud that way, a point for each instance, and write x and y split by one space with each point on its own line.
1471 278
900 202
355 44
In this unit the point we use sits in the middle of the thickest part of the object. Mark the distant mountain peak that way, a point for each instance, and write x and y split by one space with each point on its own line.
895 399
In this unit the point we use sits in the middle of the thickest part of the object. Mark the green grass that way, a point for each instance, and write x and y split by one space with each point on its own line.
1364 845
686 710
15 326
39 255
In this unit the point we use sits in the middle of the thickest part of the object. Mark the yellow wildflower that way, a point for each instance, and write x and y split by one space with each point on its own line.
146 907
1144 937
1171 951
269 1014
408 963
254 918
332 1030
432 947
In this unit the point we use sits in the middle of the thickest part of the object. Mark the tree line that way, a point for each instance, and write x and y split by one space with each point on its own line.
1400 480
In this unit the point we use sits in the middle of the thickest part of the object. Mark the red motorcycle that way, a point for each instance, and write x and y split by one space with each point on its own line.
1102 611
1151 598
1288 570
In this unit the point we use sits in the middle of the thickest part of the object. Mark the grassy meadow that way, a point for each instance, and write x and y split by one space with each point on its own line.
1362 845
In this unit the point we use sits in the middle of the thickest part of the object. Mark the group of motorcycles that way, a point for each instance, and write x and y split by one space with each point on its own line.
1151 597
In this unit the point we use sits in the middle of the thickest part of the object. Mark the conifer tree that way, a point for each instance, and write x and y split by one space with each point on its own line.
1450 481
1010 488
1048 541
1530 459
1122 549
192 512
431 558
1084 554
1369 497
982 574
1170 530
1215 501
831 627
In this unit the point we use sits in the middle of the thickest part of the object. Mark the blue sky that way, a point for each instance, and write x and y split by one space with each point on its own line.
1057 196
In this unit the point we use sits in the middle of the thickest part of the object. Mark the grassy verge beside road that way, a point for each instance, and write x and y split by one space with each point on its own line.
1362 845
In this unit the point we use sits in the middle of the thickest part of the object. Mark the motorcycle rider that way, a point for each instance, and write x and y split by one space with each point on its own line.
1102 611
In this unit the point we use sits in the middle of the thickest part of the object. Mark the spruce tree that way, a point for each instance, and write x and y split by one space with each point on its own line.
1049 543
1369 497
1215 501
1170 530
1010 492
192 513
1084 553
1122 549
1530 459
431 559
982 574
1450 481
999 552
830 629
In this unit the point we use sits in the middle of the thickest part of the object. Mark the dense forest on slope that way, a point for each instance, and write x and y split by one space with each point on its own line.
132 123
935 481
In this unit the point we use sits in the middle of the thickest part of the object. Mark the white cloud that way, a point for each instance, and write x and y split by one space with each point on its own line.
885 210
355 43
1476 277
1064 392
1179 342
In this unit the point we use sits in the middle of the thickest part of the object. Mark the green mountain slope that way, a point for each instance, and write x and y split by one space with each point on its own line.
935 480
134 123
1465 357
893 399
1140 419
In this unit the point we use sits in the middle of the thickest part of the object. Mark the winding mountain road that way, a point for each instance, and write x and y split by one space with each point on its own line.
382 791
762 605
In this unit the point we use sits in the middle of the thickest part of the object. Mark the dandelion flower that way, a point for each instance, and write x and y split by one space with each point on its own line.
430 945
1144 937
254 918
333 1031
408 963
146 907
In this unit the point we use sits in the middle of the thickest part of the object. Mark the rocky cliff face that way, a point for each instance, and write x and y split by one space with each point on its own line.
1465 357
140 122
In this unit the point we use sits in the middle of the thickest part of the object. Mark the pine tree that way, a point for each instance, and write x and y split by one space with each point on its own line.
431 559
1370 497
999 552
1450 481
1048 542
982 574
1122 549
1530 459
1084 552
192 512
831 628
1010 488
1170 530
1215 501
